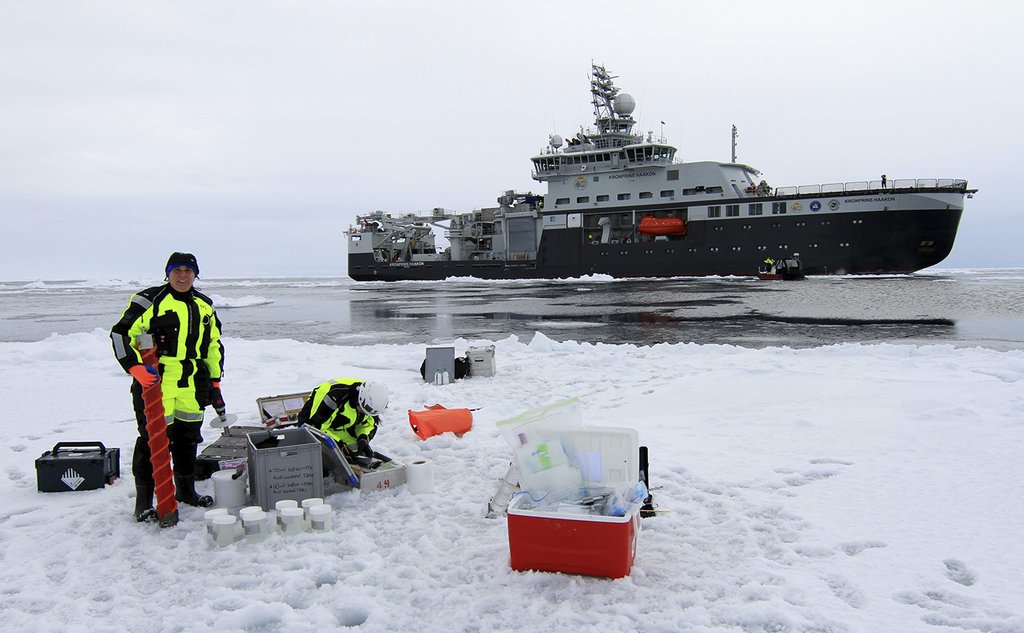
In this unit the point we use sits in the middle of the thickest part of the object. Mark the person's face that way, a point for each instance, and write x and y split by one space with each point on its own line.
181 278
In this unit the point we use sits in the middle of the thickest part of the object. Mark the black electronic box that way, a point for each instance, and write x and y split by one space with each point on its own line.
77 466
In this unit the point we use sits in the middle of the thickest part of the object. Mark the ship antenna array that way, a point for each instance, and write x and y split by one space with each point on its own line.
604 92
734 135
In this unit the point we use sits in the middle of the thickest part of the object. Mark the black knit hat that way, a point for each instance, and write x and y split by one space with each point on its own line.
181 259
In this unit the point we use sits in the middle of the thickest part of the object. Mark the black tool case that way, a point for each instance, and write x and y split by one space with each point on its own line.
77 466
231 447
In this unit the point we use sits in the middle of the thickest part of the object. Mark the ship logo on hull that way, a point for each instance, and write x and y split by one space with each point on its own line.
833 204
581 182
815 206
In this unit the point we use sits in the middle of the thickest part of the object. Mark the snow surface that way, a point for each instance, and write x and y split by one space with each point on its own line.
871 488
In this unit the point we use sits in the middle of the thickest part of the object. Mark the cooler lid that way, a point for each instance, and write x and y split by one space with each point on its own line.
604 455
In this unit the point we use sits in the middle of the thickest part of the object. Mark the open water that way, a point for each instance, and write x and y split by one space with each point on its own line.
975 307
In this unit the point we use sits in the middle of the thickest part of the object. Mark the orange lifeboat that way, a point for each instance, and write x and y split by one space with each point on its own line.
662 226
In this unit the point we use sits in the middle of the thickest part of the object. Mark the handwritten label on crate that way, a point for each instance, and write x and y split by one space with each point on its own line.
288 479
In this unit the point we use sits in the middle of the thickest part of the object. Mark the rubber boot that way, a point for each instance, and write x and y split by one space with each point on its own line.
185 492
184 449
144 510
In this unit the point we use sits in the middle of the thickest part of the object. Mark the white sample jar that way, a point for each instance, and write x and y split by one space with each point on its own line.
254 524
321 518
282 505
312 502
292 521
225 529
209 515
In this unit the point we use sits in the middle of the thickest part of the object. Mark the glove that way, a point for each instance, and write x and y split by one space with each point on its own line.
145 374
217 401
363 443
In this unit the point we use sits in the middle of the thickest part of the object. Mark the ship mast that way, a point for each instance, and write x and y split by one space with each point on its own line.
608 118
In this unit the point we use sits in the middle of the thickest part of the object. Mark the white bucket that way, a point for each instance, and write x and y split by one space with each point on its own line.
227 491
419 477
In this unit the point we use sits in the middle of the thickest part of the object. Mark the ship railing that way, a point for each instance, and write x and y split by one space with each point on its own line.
899 184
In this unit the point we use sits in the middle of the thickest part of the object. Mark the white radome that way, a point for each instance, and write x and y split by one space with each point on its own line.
624 104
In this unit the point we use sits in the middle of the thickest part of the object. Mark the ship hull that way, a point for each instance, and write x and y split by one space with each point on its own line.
871 242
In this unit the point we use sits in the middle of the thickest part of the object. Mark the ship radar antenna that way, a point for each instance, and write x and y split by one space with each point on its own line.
612 109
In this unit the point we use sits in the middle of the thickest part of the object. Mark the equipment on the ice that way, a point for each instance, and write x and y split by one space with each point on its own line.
647 510
337 458
77 466
508 486
437 419
159 455
373 397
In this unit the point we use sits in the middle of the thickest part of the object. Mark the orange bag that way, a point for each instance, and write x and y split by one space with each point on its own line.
436 420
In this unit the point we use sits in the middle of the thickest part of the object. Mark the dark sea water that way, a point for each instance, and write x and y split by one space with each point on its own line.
983 307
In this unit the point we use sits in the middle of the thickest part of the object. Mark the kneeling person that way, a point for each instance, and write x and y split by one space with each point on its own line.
347 409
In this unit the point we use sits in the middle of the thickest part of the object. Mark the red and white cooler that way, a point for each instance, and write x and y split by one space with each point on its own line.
546 539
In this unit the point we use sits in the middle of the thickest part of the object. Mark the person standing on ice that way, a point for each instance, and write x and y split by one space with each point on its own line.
186 332
347 409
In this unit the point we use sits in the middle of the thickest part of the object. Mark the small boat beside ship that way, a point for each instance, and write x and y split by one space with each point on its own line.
620 203
788 269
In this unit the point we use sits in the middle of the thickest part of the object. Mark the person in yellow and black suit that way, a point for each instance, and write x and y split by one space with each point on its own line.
186 331
347 409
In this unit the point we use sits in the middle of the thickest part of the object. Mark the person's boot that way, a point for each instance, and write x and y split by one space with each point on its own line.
144 510
183 457
185 492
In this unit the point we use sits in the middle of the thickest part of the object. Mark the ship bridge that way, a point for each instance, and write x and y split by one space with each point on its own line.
614 147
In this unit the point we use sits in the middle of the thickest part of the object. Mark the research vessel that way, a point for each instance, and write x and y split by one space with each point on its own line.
621 204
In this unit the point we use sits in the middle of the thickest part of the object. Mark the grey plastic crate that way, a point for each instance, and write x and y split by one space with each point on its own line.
292 469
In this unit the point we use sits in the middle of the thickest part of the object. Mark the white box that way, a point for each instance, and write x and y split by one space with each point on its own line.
481 361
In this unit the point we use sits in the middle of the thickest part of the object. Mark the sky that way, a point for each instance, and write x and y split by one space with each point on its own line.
876 488
252 132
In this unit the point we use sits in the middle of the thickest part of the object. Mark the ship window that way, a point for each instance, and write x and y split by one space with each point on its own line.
668 193
673 174
778 207
755 209
582 199
625 196
562 201
602 198
646 194
689 192
714 212
712 189
732 210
